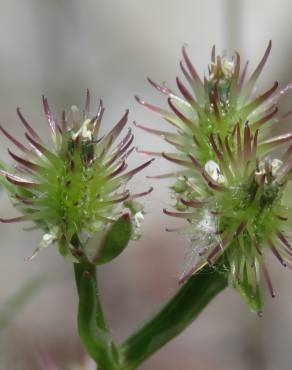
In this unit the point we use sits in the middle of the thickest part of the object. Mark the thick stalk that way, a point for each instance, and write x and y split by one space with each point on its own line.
173 317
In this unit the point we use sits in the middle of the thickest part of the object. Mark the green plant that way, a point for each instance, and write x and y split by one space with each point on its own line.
230 188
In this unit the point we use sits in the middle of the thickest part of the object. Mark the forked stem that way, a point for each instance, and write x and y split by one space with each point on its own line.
179 312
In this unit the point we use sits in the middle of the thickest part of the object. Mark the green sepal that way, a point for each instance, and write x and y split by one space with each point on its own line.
133 206
63 247
251 295
4 182
11 188
115 241
180 185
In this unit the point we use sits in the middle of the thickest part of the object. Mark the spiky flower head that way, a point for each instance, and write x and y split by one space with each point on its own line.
75 189
229 188
215 106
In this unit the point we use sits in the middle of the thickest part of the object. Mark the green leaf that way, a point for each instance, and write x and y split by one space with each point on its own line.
115 241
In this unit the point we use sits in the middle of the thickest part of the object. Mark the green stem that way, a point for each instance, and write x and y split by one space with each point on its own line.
92 327
173 318
167 323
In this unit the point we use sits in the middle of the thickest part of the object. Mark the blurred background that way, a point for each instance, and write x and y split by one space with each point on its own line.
61 47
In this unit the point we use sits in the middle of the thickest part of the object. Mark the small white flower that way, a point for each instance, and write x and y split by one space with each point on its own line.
276 165
139 218
137 223
227 67
85 130
224 66
213 170
49 238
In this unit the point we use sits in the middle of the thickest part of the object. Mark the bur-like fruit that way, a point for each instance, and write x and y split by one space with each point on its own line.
75 188
230 187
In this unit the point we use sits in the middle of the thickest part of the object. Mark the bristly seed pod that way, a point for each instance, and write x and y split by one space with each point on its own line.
229 188
77 188
215 106
238 215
